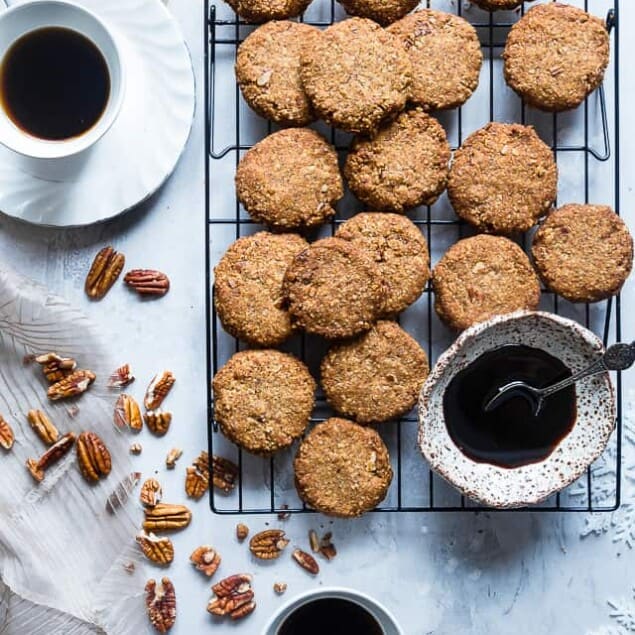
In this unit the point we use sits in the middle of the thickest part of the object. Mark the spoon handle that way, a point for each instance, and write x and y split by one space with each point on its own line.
595 369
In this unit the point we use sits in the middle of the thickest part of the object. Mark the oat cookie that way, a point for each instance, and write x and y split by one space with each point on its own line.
356 75
265 10
263 400
248 287
445 54
556 55
376 377
404 165
268 72
498 5
342 469
483 276
334 289
400 250
503 178
290 180
382 11
583 252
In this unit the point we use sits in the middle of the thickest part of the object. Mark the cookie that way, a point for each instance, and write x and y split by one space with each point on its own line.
503 179
499 5
483 276
268 72
265 10
400 250
382 11
342 469
356 75
263 400
404 165
556 55
583 252
290 180
376 377
334 289
248 287
446 57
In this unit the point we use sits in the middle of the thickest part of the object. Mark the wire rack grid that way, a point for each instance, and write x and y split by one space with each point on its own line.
585 143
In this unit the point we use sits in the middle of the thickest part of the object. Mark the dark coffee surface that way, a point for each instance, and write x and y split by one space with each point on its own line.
54 83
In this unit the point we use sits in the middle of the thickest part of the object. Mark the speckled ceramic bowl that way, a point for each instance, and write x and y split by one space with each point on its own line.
516 487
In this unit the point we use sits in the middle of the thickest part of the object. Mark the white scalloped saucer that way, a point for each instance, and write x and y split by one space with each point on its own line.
141 149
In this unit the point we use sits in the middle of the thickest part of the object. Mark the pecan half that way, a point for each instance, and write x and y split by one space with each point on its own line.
314 541
327 548
104 272
306 561
122 492
242 531
172 457
201 463
159 550
158 421
56 367
93 457
121 377
206 559
224 474
158 389
268 544
127 413
38 467
234 597
136 448
147 281
6 434
164 517
72 385
43 426
151 492
279 587
161 604
196 484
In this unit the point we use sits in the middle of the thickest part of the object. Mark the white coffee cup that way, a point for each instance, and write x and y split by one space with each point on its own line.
25 17
383 617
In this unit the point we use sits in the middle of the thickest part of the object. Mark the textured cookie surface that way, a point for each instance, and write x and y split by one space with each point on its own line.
503 178
263 400
404 165
445 54
248 287
268 72
400 250
342 469
376 377
290 180
334 289
382 11
355 75
583 252
265 10
483 276
556 55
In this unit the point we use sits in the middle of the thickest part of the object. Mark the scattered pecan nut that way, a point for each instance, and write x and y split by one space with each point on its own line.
6 434
158 421
196 483
224 474
43 426
201 463
127 413
38 467
104 272
161 604
158 389
327 548
151 492
56 367
206 559
306 561
242 531
165 517
314 541
136 448
172 457
233 596
122 492
72 385
283 514
268 544
121 377
159 550
147 281
279 587
93 457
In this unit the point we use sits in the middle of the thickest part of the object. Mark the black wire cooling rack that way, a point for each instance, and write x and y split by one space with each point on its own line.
585 143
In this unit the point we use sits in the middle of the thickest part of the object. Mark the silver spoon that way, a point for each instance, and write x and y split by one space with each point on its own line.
616 357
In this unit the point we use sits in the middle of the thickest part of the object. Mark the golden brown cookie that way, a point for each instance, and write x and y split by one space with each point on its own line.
268 72
248 287
382 11
499 5
404 165
556 55
483 276
356 75
290 180
400 250
334 289
376 377
263 400
445 54
503 178
583 252
265 10
342 469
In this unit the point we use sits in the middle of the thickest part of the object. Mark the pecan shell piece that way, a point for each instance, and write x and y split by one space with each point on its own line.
158 421
279 587
38 467
172 457
167 517
158 389
159 550
121 377
268 544
93 457
224 473
196 483
127 413
147 281
242 531
72 385
161 604
206 559
7 437
55 367
43 426
103 273
136 448
306 561
327 548
151 492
